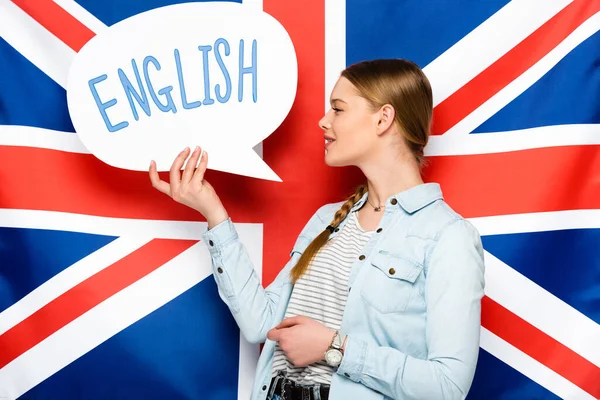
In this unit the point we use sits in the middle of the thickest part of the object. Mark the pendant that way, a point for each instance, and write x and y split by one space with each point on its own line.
377 209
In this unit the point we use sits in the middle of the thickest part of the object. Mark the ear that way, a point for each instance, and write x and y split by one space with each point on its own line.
386 117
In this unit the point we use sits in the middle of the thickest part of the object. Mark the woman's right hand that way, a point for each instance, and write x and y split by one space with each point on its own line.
190 188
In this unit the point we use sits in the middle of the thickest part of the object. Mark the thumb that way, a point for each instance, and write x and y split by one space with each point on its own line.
286 323
274 334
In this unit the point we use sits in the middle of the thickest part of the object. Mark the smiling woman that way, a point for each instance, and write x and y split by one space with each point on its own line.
381 297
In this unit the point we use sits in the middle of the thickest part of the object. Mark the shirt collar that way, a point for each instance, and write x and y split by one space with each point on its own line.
411 200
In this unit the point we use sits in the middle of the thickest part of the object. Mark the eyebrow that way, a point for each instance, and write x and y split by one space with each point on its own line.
334 100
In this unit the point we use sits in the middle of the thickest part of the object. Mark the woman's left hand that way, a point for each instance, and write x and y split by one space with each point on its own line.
303 339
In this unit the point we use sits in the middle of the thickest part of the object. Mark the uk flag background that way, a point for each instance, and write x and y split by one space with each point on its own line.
105 289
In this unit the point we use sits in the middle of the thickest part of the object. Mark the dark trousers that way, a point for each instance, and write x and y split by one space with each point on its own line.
286 389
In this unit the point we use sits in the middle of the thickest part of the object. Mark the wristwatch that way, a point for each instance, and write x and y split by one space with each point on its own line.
335 353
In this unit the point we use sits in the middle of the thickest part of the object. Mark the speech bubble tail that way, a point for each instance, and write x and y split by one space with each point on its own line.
242 162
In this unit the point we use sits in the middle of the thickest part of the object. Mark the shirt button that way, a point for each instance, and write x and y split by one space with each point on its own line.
379 230
264 387
362 257
220 270
394 201
392 271
211 243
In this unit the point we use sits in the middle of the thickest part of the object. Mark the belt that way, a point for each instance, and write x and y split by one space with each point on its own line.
289 390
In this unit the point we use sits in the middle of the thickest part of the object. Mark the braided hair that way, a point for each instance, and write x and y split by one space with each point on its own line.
313 248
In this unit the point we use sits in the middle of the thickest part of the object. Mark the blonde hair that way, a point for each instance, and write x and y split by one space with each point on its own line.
403 85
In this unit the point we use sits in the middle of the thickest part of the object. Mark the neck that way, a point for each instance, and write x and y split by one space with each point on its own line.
384 182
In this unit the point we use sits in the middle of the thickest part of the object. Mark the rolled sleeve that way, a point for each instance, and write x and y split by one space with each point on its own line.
353 362
220 236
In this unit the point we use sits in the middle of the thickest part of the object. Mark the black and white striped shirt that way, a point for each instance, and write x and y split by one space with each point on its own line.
321 294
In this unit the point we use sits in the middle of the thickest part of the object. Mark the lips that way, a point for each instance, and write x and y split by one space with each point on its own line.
328 141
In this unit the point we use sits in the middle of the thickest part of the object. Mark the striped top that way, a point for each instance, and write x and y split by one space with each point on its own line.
321 294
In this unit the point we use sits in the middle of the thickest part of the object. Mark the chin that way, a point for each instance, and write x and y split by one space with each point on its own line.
334 162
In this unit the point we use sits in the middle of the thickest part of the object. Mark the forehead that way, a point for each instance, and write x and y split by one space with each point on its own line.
343 90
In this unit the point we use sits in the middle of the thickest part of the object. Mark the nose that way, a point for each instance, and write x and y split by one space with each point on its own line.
324 123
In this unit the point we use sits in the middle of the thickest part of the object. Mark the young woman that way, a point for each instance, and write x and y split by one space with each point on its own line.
382 295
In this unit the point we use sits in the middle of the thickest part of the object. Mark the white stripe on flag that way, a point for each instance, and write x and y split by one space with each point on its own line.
542 309
537 222
488 42
250 352
67 279
527 79
498 142
531 368
62 221
335 44
35 43
29 136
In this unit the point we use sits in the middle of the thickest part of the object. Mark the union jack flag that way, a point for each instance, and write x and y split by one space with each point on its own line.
103 289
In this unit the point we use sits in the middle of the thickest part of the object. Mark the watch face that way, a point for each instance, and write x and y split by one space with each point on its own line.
333 357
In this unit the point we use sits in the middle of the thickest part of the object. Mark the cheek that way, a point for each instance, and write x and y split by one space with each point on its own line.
352 132
347 126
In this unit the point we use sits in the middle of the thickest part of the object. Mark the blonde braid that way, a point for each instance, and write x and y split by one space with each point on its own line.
313 248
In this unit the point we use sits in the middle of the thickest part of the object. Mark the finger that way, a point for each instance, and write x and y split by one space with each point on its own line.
158 183
286 323
273 335
174 173
199 174
190 166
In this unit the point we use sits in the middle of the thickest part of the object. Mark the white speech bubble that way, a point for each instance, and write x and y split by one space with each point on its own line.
219 75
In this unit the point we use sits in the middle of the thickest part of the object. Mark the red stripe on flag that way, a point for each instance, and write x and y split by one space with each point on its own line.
510 66
80 183
543 348
59 22
295 151
535 180
527 181
87 295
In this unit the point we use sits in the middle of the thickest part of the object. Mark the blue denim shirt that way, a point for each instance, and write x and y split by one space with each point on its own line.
413 311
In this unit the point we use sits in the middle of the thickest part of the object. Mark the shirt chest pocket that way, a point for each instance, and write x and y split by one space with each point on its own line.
389 282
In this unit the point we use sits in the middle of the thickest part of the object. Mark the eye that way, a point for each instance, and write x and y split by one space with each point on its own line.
336 110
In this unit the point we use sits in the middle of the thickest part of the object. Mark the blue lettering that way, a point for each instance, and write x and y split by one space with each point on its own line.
184 101
103 106
131 92
166 91
205 49
247 70
225 98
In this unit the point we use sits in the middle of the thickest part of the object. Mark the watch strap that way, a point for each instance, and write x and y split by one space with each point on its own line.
338 340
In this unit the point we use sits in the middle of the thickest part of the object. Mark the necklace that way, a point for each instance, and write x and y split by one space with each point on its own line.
376 209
